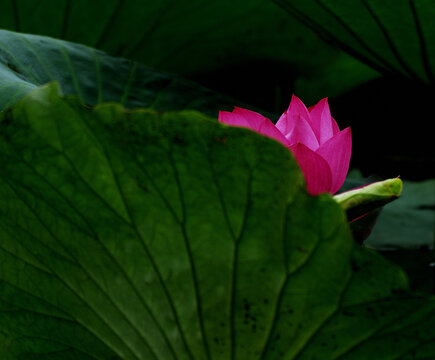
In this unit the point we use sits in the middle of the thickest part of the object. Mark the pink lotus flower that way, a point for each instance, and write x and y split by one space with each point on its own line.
312 135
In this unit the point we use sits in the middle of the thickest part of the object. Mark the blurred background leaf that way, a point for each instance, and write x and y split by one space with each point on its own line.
391 36
29 61
249 49
410 222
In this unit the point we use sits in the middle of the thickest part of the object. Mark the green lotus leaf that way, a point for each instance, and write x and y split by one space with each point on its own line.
29 61
393 37
130 235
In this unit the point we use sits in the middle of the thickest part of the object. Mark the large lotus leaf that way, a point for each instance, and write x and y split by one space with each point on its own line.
146 235
391 36
28 61
252 44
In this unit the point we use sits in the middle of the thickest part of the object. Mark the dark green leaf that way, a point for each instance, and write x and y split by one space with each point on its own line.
131 235
408 223
182 36
391 36
28 61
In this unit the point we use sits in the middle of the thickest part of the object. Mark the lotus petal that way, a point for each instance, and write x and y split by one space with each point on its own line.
322 123
336 151
335 128
254 121
317 173
296 126
302 133
232 119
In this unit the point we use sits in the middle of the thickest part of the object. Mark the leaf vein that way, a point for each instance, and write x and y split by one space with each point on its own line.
189 253
80 266
147 251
